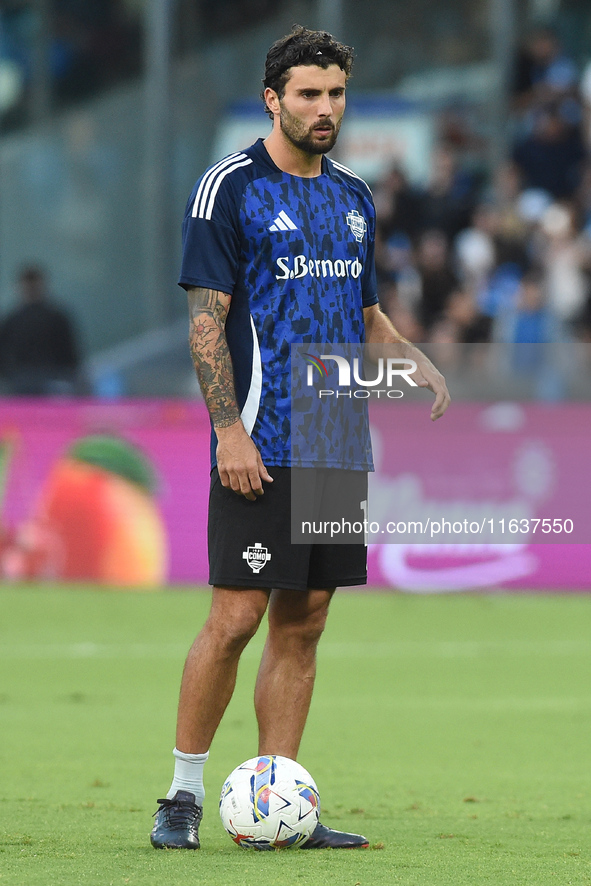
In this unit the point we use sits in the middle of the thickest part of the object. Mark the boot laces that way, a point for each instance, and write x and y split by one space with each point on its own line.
179 812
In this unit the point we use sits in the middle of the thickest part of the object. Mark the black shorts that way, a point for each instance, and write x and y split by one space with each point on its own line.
250 542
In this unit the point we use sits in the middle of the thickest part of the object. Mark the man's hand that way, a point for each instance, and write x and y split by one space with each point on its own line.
380 332
428 376
239 462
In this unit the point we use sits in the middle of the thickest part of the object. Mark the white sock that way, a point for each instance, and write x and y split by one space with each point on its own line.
188 775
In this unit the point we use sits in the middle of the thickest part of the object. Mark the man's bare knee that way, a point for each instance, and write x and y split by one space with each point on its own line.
235 617
300 621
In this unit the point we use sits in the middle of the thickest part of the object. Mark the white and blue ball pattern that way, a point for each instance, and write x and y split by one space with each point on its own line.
269 802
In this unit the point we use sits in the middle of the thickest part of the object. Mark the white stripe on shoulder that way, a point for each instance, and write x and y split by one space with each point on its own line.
250 409
350 172
216 184
208 176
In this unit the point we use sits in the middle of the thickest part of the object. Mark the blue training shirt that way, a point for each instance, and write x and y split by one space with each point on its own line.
297 256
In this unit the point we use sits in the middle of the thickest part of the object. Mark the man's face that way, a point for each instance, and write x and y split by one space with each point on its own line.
312 107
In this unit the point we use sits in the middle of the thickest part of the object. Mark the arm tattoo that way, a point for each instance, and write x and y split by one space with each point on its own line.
208 310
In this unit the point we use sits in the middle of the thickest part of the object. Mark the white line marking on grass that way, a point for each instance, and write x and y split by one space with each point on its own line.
528 704
92 650
453 648
327 649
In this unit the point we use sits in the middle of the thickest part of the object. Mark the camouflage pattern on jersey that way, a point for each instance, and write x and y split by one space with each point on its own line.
297 255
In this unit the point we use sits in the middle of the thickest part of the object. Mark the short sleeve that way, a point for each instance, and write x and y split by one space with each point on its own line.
211 244
369 286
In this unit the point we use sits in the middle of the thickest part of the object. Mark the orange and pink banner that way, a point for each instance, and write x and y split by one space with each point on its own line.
116 492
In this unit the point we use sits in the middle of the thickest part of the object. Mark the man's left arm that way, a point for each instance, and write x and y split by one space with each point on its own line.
379 330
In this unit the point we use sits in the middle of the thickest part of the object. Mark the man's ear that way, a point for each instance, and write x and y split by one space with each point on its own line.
272 100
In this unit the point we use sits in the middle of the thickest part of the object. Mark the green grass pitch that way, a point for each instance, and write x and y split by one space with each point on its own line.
455 732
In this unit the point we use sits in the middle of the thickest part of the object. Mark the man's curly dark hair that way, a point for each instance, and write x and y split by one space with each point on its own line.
303 47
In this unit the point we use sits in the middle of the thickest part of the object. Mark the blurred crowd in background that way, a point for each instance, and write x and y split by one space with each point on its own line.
91 45
480 252
507 258
94 44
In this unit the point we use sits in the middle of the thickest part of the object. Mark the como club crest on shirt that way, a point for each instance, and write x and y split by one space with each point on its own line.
256 556
357 224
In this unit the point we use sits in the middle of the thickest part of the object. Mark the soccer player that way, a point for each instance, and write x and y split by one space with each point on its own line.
263 234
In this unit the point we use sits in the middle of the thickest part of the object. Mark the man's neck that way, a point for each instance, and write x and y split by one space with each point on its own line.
291 159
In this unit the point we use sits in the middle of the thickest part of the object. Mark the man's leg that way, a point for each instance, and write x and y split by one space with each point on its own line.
207 685
288 667
209 676
285 683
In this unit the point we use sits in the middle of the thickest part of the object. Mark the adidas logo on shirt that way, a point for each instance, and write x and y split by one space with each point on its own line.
283 223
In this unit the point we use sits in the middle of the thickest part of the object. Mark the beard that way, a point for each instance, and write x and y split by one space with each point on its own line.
308 139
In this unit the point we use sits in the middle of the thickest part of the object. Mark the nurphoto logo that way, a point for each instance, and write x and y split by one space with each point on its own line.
388 371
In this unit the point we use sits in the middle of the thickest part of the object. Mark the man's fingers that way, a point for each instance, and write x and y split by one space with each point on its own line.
263 472
255 481
247 492
436 383
442 401
258 475
246 482
235 484
241 469
230 479
245 487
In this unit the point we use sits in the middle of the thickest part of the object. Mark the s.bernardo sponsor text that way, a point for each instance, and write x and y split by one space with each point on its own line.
299 266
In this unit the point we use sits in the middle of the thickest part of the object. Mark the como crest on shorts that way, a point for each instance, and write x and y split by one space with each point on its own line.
256 556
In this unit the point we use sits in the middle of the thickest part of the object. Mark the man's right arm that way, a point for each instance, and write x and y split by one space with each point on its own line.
239 462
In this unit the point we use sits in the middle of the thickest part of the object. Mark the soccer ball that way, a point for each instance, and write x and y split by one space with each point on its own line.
269 803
